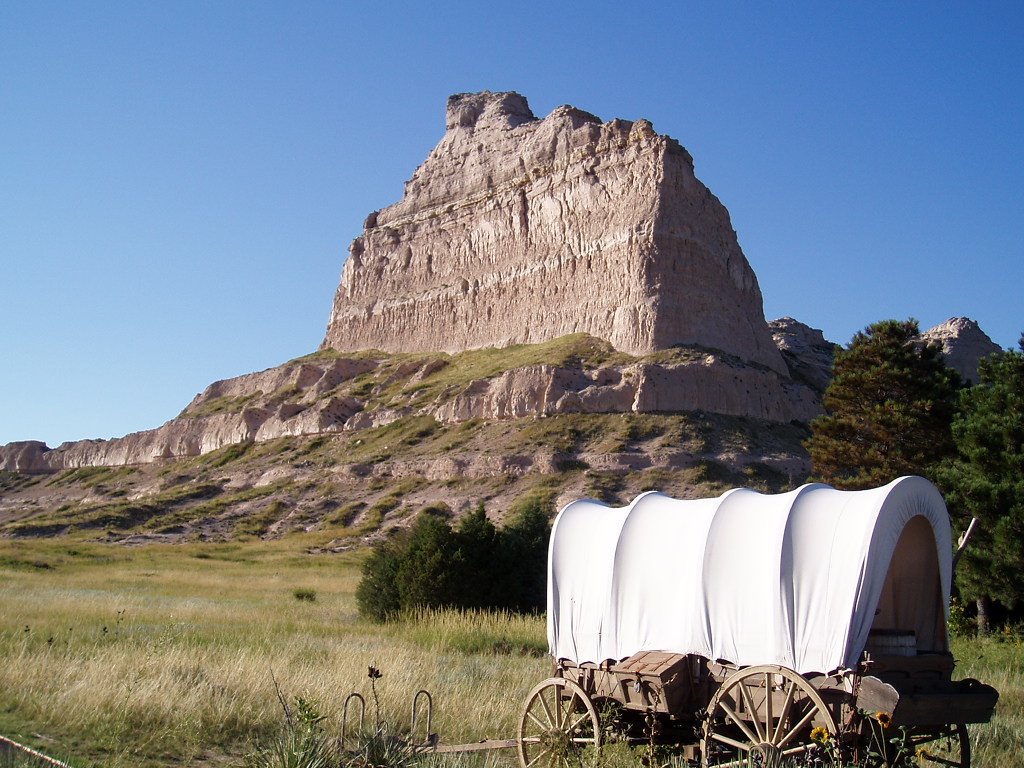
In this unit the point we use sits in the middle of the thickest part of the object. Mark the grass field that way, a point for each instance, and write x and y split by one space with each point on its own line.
168 654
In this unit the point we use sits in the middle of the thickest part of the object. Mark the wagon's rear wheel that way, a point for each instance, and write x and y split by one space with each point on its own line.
762 715
559 727
946 745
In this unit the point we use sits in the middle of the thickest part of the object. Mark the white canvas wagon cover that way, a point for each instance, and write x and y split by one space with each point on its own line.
797 579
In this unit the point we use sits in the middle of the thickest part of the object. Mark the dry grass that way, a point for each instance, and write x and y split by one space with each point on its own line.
998 661
162 655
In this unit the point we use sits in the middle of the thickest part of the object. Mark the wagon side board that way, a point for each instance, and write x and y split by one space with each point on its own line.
916 702
669 683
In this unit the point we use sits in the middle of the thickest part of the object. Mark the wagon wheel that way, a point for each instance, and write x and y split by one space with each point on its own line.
947 745
558 726
748 727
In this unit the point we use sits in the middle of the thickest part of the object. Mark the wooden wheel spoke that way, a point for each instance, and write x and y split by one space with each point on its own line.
565 711
796 728
787 704
766 729
561 740
538 757
796 750
738 720
742 762
749 704
731 742
547 710
537 721
582 719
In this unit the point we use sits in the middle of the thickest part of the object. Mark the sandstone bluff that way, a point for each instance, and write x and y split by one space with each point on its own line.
595 246
518 230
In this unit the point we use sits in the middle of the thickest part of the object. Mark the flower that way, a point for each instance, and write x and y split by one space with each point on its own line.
374 673
922 754
820 735
884 719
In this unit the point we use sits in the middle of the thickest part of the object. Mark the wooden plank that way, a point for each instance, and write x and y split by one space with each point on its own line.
928 703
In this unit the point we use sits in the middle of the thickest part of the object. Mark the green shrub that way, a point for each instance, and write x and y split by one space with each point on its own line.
475 566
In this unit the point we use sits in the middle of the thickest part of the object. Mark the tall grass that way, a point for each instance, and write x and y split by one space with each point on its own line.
164 655
999 662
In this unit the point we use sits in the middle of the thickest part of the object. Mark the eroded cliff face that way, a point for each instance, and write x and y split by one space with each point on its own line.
333 392
521 230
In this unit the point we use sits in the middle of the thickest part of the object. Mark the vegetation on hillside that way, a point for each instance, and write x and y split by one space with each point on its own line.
337 489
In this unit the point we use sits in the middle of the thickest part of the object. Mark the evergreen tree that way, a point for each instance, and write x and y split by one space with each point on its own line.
986 480
524 554
427 573
476 560
475 566
377 592
888 409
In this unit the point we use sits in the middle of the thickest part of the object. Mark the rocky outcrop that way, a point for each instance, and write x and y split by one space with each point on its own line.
293 399
807 353
27 456
707 384
963 345
521 230
313 396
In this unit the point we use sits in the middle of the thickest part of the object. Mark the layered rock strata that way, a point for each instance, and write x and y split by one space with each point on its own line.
302 398
521 230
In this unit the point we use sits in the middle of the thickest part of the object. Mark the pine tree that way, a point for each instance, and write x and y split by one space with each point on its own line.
476 541
426 571
524 553
476 566
888 409
377 593
986 480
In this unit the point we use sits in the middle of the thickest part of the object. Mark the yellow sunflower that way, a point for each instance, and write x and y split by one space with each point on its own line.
884 719
820 735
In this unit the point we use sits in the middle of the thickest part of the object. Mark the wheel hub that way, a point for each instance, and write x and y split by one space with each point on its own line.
765 754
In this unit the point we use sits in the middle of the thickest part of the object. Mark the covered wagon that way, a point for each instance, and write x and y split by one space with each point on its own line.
749 627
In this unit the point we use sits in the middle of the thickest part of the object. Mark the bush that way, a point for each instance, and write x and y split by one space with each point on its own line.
475 566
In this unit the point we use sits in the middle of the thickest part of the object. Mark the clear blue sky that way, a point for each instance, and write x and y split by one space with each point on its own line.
179 181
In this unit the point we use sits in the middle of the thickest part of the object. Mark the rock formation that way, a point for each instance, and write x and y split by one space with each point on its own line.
963 345
351 393
806 351
521 230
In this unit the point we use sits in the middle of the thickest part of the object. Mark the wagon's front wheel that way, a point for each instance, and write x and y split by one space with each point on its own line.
763 715
559 727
